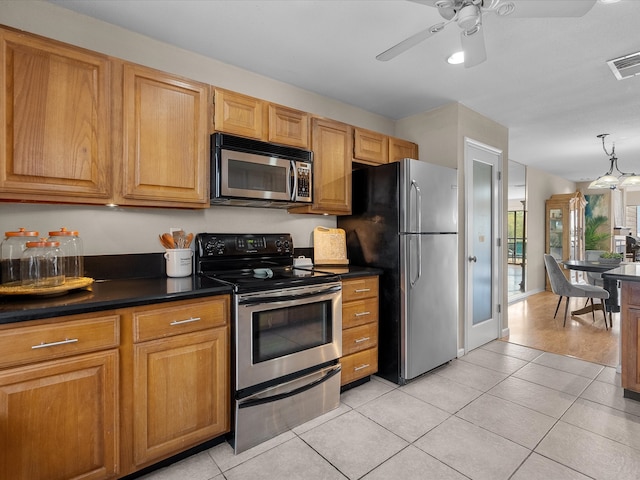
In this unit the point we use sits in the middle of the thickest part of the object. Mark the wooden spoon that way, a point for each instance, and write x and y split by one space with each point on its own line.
168 241
187 243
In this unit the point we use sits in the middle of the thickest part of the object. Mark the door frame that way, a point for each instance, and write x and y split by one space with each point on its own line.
497 227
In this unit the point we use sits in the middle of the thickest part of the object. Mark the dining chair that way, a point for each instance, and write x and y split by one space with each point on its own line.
592 277
564 288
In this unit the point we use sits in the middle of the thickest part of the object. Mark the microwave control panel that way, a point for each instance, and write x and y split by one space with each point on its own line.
304 181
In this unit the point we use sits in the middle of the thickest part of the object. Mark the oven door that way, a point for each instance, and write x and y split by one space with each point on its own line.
283 332
247 175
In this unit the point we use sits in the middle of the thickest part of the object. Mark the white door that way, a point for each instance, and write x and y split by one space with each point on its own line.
483 227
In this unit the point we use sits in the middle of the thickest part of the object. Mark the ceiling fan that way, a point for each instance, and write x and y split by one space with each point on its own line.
468 15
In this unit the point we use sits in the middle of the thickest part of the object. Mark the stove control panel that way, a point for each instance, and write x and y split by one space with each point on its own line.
227 245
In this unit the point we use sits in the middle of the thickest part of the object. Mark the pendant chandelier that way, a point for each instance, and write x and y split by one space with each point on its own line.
610 179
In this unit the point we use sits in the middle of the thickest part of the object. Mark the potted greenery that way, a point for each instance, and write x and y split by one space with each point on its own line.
611 257
594 239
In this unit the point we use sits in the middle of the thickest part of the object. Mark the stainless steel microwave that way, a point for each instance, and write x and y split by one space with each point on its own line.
249 172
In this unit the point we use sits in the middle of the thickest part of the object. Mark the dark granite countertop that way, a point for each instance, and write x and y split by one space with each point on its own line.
115 289
629 272
105 295
346 271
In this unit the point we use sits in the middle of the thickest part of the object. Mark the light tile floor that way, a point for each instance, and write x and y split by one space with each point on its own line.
503 411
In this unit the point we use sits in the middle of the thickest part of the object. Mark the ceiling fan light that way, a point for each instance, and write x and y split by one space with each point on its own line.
468 17
456 58
505 9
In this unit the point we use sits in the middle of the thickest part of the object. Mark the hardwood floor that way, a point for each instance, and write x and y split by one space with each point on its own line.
531 324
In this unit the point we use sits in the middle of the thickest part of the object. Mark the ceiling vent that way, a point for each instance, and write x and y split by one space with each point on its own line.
625 67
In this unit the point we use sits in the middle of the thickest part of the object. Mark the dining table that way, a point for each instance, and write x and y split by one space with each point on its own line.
612 304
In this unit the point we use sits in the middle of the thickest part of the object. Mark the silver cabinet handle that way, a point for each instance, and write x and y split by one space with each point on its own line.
53 344
473 259
360 340
361 367
188 320
362 290
361 314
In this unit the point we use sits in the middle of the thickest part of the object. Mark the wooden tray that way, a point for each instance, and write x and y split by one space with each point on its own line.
71 284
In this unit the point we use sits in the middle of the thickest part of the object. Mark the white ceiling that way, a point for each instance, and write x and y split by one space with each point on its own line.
546 79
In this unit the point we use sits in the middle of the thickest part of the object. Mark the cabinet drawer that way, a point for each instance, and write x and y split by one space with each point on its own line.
29 344
359 338
359 312
179 317
359 288
359 365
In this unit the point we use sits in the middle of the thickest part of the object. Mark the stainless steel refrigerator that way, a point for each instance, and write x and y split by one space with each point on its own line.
405 222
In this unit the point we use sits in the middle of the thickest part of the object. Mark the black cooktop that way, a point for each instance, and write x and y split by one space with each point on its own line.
252 262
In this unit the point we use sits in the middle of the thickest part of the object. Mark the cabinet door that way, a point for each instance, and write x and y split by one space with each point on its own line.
238 114
165 139
288 126
399 149
54 119
332 145
370 147
180 393
58 420
630 336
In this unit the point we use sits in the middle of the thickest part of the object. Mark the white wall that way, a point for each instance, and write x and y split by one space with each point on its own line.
540 186
122 230
440 134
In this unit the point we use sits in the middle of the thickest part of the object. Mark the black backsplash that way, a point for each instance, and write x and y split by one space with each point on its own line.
134 265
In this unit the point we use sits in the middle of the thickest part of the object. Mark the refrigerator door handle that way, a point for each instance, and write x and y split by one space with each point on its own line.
415 280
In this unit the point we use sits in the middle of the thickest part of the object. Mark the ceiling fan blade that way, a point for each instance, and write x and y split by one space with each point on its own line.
542 9
473 46
412 41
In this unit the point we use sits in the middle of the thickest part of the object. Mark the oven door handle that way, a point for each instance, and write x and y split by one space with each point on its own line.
259 399
287 298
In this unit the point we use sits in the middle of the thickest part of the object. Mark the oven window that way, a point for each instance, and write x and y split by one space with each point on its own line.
257 176
289 330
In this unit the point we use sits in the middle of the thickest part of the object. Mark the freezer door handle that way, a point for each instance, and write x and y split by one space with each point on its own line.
418 205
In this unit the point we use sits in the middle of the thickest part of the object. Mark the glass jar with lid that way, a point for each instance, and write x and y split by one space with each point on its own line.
12 248
72 251
41 264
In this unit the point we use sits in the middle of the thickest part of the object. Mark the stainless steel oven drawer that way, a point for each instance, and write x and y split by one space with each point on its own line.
284 406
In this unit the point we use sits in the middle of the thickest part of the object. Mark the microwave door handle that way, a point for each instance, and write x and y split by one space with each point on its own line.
293 180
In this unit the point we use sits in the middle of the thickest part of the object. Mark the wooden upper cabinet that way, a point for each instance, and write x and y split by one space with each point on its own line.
332 145
251 117
165 139
238 114
54 119
370 147
399 149
288 126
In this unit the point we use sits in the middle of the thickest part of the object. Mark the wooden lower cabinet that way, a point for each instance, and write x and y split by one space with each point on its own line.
59 418
176 383
359 328
100 396
630 336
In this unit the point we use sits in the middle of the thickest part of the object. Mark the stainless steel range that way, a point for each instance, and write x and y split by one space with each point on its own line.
287 330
